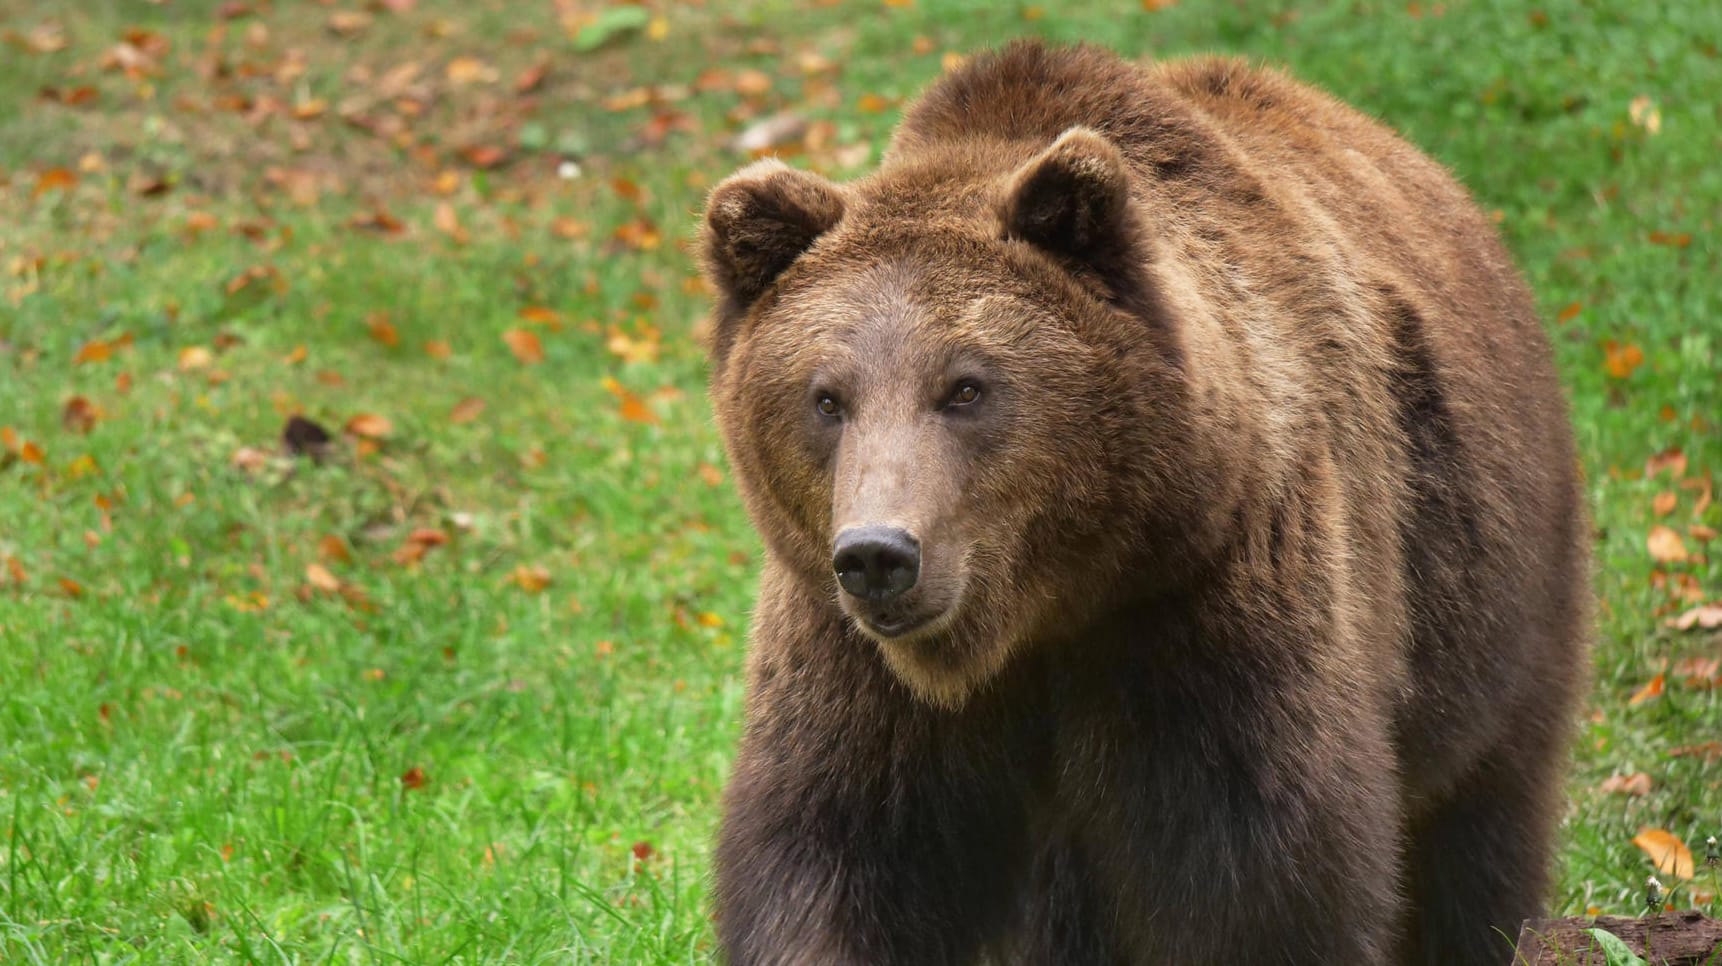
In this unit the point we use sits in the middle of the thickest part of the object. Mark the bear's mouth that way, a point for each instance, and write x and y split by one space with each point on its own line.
897 625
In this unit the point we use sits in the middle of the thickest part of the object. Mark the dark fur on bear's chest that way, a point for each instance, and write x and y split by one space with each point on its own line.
1174 547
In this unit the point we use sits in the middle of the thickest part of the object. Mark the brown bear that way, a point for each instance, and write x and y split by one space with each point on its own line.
1174 546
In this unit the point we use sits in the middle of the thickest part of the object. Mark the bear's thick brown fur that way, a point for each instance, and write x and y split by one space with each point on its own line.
1175 552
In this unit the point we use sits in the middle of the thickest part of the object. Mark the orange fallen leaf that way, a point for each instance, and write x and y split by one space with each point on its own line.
466 410
633 408
95 350
525 346
1665 545
532 578
414 778
448 222
1621 360
1666 852
438 349
540 315
370 426
711 474
54 179
1570 312
382 330
15 570
1652 689
322 578
1663 503
1637 785
31 453
1701 533
334 548
71 587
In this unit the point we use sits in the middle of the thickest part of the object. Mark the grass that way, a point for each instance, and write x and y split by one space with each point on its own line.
245 714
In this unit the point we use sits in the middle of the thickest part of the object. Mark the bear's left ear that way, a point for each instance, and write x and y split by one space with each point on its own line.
1073 200
758 221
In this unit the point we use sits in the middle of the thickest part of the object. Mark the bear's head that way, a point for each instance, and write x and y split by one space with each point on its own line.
939 387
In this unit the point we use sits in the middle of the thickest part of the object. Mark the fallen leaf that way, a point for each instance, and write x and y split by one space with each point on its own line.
1706 616
531 78
711 474
370 426
71 588
525 346
448 222
414 778
95 350
1709 751
1663 503
195 357
532 578
321 578
1701 533
250 459
333 548
348 23
1652 689
1672 459
79 415
752 82
382 330
1637 785
470 70
438 349
54 179
642 851
1666 852
466 410
1697 672
540 315
1621 360
1665 545
1569 313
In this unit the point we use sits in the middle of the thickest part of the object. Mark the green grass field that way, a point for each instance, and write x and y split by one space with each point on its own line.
464 686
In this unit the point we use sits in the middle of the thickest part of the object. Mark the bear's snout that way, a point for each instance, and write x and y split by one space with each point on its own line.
876 563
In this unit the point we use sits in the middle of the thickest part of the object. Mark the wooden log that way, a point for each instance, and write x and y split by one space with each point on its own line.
1673 939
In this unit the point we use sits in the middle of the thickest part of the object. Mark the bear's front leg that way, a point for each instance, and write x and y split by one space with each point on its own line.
862 827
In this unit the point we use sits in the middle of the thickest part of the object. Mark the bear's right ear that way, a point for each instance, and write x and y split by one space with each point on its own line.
1073 200
758 221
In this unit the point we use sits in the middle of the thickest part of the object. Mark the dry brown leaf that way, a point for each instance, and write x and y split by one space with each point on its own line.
525 346
322 578
1666 852
382 330
438 349
1665 545
1706 616
194 357
1663 503
1637 785
334 549
79 415
470 70
466 410
532 578
1671 459
370 426
414 778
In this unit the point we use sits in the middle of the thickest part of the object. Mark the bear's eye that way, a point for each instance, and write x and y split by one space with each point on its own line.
965 394
827 405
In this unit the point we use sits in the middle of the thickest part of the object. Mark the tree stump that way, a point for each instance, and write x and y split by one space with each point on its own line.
1675 939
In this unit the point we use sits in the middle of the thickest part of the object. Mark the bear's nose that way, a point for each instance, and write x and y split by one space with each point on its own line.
876 562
